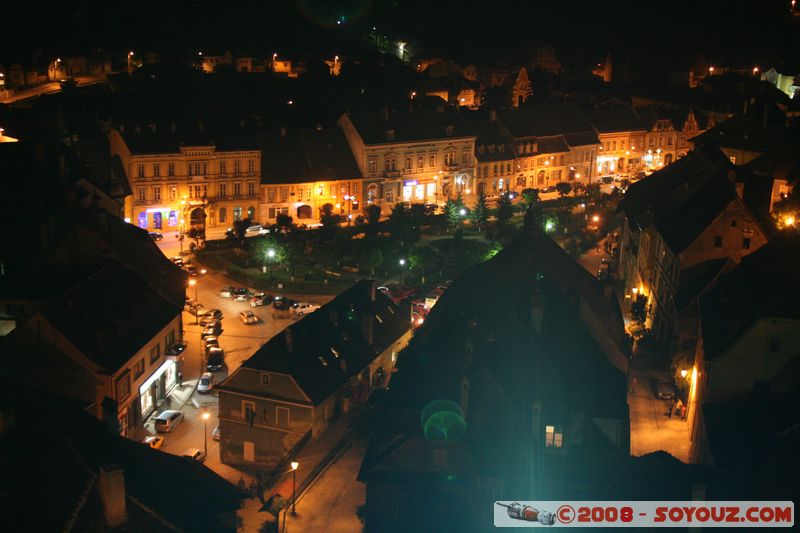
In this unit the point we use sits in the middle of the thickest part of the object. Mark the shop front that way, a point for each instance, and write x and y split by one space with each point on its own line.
157 387
158 218
420 191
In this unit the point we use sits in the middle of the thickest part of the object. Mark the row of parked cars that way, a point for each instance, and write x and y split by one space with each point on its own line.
282 307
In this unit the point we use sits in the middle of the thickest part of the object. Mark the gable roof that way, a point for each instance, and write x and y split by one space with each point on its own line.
489 133
546 120
110 315
410 126
308 156
329 346
765 284
69 451
681 199
697 278
612 119
762 128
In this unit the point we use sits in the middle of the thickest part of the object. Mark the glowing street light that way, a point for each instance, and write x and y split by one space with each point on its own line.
462 211
193 283
684 373
402 262
271 253
206 416
789 220
295 465
595 219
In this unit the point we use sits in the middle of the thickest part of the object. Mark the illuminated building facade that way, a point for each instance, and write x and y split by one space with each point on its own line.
419 156
181 180
308 172
622 139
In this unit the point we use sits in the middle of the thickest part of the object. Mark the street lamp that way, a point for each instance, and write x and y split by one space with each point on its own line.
684 373
55 67
295 464
193 283
595 219
130 56
462 211
205 433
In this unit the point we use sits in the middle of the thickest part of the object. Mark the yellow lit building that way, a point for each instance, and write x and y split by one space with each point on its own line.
307 172
419 156
182 178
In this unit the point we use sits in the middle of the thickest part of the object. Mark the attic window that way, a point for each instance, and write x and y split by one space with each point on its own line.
323 361
448 131
491 148
480 149
379 319
334 352
501 148
390 135
265 379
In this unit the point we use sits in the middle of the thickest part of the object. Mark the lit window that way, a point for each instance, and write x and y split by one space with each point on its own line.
553 437
265 379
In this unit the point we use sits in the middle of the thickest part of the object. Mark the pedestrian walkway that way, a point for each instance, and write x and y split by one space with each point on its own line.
652 429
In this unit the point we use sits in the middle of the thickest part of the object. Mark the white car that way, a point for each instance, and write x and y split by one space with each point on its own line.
258 229
206 383
196 454
167 420
215 433
248 317
303 308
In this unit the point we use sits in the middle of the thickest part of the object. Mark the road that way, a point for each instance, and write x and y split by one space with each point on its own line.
651 428
238 340
47 88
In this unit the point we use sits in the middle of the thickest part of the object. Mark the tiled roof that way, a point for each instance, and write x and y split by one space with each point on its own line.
490 137
546 120
615 119
681 199
331 345
761 129
47 468
697 278
765 284
165 141
411 126
110 315
308 156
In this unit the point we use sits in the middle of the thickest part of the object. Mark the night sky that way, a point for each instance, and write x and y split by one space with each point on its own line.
582 31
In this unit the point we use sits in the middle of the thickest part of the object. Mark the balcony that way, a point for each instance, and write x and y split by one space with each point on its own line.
393 173
452 166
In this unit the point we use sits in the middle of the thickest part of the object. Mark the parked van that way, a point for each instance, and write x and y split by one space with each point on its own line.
166 421
253 231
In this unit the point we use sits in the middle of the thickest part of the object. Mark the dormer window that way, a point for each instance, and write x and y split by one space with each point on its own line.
491 148
448 131
265 379
502 148
480 149
390 135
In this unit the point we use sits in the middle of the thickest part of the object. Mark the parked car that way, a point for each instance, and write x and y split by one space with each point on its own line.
303 308
215 433
207 320
281 306
178 260
195 454
248 317
216 313
167 420
192 270
196 310
260 299
241 295
177 348
602 273
156 236
417 319
665 388
225 292
255 230
206 383
216 359
214 329
210 342
154 441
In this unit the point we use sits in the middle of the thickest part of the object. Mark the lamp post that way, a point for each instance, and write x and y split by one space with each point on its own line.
55 68
193 283
295 464
130 57
205 433
270 258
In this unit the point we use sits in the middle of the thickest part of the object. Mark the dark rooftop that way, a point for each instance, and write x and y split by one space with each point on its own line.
766 284
308 156
110 315
335 333
411 126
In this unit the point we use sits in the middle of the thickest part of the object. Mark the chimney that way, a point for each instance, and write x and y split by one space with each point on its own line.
492 115
385 113
172 126
283 132
112 494
289 338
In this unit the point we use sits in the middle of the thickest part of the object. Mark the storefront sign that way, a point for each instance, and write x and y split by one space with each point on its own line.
409 183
